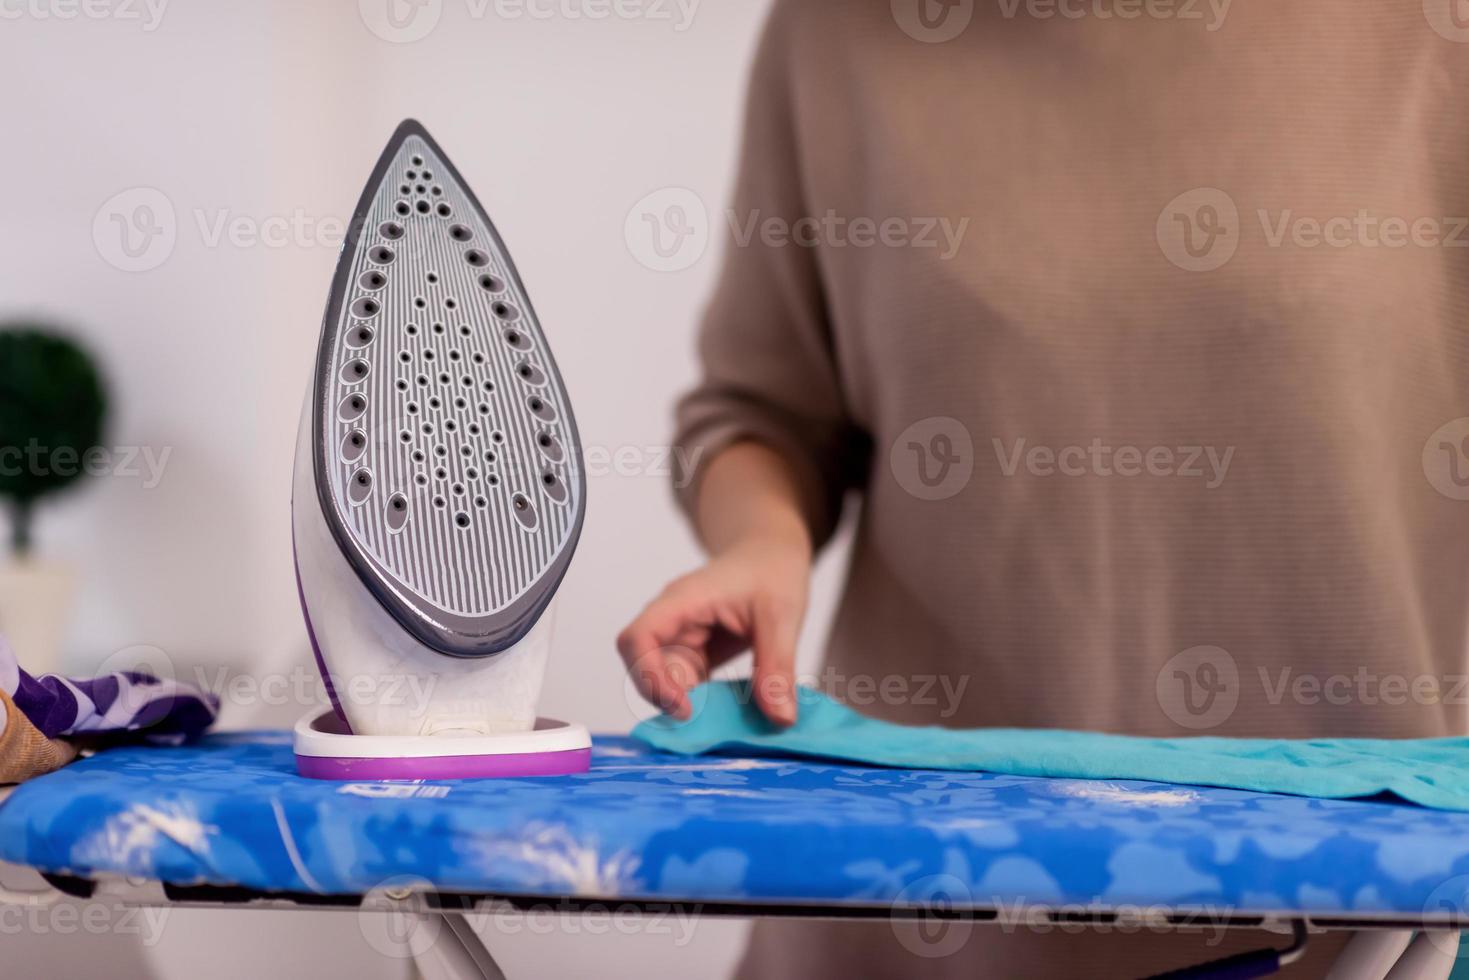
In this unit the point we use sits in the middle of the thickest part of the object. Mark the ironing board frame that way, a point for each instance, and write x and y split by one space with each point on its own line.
1383 947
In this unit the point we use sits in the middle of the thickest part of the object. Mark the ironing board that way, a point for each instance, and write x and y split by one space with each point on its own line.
226 821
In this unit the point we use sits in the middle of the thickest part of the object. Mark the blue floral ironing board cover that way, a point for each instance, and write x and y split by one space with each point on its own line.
230 810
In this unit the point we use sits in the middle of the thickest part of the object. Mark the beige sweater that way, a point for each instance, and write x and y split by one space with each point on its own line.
1144 344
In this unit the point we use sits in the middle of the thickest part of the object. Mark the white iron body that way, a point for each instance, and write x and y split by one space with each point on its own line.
384 681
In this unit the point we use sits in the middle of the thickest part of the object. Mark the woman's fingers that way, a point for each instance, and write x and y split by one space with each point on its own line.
701 621
642 648
777 627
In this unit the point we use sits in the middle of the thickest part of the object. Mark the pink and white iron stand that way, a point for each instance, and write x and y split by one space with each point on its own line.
439 495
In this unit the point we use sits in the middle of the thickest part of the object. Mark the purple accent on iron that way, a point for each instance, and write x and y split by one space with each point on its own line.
516 766
326 676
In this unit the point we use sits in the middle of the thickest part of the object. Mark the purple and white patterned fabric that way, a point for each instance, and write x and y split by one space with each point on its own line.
126 706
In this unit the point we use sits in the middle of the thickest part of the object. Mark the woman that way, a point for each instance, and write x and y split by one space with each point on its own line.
1179 422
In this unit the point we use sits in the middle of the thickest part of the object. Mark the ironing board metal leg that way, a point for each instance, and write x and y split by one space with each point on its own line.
457 954
1371 954
1431 957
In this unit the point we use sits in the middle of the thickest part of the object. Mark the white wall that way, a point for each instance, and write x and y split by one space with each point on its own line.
272 112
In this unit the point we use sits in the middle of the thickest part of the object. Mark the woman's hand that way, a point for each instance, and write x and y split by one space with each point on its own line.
751 594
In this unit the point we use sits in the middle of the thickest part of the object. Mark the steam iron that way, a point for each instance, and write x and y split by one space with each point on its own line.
439 494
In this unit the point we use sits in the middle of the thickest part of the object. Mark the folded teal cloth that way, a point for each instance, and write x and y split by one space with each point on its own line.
1430 772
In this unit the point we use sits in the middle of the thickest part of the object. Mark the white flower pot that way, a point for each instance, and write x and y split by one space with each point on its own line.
35 598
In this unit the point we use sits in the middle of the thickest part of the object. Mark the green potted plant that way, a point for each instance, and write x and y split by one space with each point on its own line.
53 408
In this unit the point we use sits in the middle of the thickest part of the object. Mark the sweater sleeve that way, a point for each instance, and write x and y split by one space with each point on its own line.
769 371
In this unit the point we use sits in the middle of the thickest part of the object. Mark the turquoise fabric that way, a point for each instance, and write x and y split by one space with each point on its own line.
1430 772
